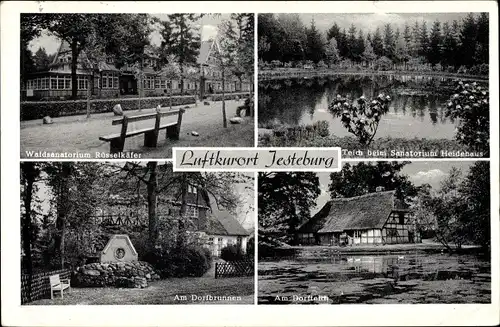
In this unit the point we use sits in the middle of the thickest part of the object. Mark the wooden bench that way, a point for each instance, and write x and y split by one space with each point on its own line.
58 285
117 140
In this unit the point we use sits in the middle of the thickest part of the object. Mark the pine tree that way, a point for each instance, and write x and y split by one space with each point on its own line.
415 39
332 52
41 60
389 42
377 43
424 40
435 44
468 40
482 51
181 38
315 46
369 55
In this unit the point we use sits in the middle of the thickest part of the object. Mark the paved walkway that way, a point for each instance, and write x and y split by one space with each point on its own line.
78 134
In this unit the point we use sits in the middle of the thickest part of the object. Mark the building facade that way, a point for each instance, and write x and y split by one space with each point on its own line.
373 218
111 82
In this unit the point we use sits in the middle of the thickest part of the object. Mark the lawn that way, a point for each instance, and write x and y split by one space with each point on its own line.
78 134
167 291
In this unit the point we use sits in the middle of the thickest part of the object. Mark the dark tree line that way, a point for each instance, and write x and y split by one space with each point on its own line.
285 38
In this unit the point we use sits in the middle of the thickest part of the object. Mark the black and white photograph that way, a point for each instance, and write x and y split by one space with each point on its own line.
132 86
376 233
115 233
378 85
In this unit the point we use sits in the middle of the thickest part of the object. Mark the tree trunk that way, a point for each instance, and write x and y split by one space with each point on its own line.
141 81
224 119
89 92
152 188
252 107
181 235
29 171
74 63
170 95
181 66
62 209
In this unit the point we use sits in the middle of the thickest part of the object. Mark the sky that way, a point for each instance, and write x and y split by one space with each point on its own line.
207 23
419 172
368 22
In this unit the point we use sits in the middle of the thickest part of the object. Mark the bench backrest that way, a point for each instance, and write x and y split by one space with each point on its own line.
141 117
54 280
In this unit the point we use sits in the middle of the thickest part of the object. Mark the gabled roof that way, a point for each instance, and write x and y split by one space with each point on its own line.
360 212
223 223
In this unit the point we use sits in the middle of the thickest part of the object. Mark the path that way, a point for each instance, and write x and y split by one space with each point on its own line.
77 134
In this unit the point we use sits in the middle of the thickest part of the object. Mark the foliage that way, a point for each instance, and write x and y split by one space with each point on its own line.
459 211
181 39
362 178
285 201
232 253
470 103
189 261
284 37
383 63
362 117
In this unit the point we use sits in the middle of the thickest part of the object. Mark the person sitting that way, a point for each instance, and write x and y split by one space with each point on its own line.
246 106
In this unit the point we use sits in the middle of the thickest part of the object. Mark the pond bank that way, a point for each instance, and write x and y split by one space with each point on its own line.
304 73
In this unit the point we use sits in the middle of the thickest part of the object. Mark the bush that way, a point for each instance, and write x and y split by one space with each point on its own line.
39 109
190 261
383 63
232 253
250 248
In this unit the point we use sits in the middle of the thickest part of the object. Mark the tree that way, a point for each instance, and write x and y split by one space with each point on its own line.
244 65
435 44
181 38
389 42
423 40
363 178
377 43
225 57
482 51
41 60
415 40
468 41
315 50
402 51
369 55
332 52
170 71
31 27
285 201
73 29
477 214
450 47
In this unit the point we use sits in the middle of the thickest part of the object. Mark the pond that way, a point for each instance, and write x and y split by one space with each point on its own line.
418 107
389 278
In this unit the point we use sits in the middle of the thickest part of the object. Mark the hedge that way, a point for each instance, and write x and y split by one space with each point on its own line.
37 110
228 96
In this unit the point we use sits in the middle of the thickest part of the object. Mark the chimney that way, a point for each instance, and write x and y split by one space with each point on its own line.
380 189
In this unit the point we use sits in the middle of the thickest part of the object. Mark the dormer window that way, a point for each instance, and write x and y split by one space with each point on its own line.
192 189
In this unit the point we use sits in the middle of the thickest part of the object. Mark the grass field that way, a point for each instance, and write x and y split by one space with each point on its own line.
167 291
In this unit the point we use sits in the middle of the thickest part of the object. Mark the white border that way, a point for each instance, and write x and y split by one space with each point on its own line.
245 315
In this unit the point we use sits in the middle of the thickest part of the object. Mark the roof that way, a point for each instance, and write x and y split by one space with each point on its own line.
223 223
205 47
360 212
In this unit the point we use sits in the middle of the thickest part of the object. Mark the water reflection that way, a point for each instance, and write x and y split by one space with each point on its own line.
418 108
410 277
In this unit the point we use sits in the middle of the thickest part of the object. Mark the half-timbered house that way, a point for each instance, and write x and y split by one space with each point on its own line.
374 218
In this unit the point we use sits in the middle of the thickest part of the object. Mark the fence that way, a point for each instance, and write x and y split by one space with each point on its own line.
234 269
40 286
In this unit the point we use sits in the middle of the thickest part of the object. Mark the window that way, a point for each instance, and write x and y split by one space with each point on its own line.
53 83
60 83
402 218
162 84
67 82
357 233
192 211
115 82
157 83
104 82
82 82
391 232
192 189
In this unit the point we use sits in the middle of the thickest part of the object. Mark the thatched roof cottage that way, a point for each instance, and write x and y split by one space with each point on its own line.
373 218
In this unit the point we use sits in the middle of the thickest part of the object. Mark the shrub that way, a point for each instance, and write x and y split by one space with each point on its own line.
232 253
250 248
39 109
470 103
190 261
383 63
361 117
